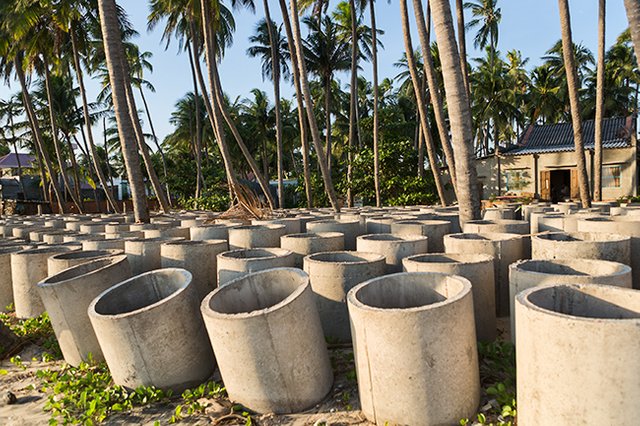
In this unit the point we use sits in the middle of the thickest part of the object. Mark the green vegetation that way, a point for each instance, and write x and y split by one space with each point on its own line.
36 330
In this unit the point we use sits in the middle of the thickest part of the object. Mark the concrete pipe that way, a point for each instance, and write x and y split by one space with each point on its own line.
332 275
302 245
238 263
551 222
577 355
504 248
530 208
255 236
451 217
144 254
6 288
581 245
197 257
209 232
292 225
267 338
571 221
112 244
67 296
415 349
6 229
151 332
61 261
350 229
535 216
81 237
478 269
501 226
28 267
55 236
123 234
532 273
434 230
168 233
113 228
92 228
566 207
394 248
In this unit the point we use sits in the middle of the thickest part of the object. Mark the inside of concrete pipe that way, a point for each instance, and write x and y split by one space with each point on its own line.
83 269
572 267
345 257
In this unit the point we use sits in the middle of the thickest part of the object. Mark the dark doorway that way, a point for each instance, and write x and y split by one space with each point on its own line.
560 185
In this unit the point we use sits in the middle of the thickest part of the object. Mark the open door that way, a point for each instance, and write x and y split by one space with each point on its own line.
575 189
545 185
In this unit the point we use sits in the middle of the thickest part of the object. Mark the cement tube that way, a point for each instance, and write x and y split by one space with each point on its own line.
302 245
151 332
415 349
255 236
332 275
581 245
104 244
434 230
394 248
478 269
167 233
350 229
209 232
292 225
60 262
144 254
266 335
6 287
577 355
81 237
238 263
67 296
551 222
55 236
502 226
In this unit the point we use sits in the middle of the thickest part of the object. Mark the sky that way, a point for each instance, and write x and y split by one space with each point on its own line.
531 26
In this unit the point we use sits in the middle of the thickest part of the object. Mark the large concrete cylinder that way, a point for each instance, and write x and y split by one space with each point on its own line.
551 222
394 248
6 287
144 254
106 244
571 220
500 226
67 296
350 229
577 355
209 232
332 275
197 257
255 236
238 263
479 270
61 261
415 349
302 245
55 236
267 338
530 208
531 273
292 225
434 230
535 217
167 233
92 228
504 248
581 245
28 267
151 332
82 237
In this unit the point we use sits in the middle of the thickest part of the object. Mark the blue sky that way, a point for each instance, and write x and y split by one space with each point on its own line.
531 26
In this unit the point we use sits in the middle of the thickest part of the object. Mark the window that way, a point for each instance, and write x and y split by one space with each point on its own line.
611 176
515 180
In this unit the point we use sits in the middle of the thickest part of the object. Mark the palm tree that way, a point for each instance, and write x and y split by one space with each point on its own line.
259 121
422 107
271 46
10 110
573 86
486 16
376 102
633 15
114 53
462 43
597 158
459 114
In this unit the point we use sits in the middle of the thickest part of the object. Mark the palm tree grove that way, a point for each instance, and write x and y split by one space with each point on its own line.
319 212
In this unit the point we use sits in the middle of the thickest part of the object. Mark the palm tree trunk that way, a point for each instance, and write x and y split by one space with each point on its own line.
434 90
114 54
157 144
87 123
15 148
353 100
421 144
597 159
462 45
54 136
327 120
46 196
422 107
633 15
106 153
275 63
304 84
196 95
37 134
376 119
459 113
304 143
572 87
75 170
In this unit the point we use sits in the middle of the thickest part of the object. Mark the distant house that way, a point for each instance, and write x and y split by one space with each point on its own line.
9 163
542 164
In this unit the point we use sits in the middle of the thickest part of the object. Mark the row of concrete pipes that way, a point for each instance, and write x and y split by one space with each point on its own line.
166 303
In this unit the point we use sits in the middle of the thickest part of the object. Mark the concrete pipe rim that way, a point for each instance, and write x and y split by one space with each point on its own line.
333 222
14 248
300 280
271 227
531 299
87 254
313 236
45 249
427 222
392 239
262 253
344 257
485 236
580 237
615 269
153 240
183 242
92 267
182 284
450 258
429 280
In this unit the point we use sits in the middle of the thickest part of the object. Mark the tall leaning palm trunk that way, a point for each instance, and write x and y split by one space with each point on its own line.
87 123
198 134
420 101
114 53
376 118
306 91
633 15
462 45
353 99
572 87
459 112
302 120
597 167
434 89
275 64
